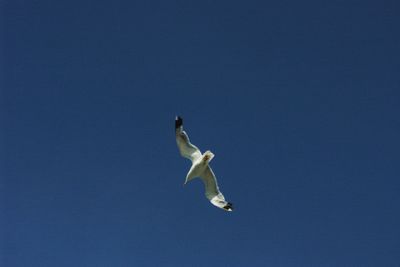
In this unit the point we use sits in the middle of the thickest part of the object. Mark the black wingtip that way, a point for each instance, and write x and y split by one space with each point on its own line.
228 207
178 122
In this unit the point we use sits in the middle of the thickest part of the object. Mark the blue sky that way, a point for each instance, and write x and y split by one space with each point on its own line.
299 101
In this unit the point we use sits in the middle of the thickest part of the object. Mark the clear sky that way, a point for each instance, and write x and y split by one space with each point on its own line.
299 101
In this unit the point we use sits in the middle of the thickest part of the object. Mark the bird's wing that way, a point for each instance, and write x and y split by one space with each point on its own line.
212 191
187 149
210 182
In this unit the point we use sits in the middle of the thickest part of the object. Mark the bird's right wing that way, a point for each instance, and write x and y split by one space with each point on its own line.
210 183
187 149
212 191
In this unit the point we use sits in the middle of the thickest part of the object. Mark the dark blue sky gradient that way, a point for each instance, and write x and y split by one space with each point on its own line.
299 101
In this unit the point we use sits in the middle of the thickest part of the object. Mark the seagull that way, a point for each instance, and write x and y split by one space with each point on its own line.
200 167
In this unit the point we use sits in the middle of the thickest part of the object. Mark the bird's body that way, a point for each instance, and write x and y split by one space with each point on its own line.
200 167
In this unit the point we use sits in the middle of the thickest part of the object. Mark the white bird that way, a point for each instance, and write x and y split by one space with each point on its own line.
200 167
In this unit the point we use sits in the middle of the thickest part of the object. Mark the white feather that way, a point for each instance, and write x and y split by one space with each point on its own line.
200 167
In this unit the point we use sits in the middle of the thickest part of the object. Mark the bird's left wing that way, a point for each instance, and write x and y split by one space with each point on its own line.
187 149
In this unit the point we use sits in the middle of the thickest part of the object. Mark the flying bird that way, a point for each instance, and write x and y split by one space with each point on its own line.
200 167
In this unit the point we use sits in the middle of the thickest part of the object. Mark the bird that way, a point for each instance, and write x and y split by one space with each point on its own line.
200 167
